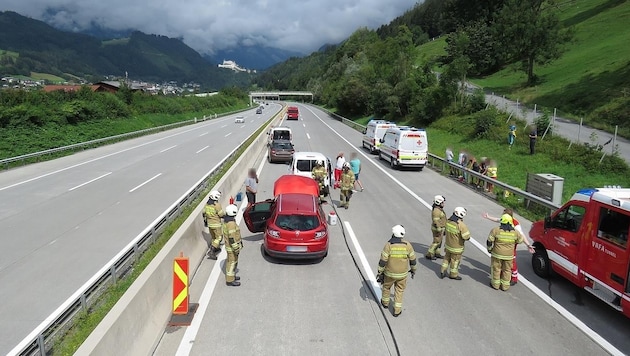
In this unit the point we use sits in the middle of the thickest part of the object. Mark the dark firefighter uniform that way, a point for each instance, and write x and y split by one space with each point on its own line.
347 183
456 234
213 213
501 243
438 227
397 260
319 174
233 246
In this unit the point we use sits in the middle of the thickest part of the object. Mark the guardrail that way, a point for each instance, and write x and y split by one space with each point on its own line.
439 163
6 163
41 340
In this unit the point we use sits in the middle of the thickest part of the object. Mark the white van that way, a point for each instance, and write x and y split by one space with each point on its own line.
374 133
279 133
405 146
303 163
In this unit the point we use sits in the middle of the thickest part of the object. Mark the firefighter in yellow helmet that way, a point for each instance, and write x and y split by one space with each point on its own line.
501 243
212 215
456 235
319 174
438 227
347 184
397 260
233 245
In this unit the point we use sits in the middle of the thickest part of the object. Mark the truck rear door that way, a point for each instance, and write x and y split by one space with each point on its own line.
608 252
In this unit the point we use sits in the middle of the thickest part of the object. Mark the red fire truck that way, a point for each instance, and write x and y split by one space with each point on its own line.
586 241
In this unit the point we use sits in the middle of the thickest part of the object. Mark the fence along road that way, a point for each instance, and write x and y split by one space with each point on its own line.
62 220
277 300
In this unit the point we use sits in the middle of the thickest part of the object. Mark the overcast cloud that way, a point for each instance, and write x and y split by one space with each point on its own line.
209 25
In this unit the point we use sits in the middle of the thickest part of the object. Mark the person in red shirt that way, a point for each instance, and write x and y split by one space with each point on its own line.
517 227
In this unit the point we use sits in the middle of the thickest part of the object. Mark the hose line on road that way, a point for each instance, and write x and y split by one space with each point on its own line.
367 283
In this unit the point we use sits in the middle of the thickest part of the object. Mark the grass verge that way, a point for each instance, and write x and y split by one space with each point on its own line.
83 326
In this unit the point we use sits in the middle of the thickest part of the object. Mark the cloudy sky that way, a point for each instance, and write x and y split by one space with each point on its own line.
208 25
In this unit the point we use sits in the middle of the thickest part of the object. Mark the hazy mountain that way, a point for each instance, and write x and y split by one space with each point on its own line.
42 48
254 57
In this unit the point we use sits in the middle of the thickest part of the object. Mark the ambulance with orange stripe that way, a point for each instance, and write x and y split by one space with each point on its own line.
405 146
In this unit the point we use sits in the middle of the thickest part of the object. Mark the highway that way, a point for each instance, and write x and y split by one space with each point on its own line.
63 220
317 308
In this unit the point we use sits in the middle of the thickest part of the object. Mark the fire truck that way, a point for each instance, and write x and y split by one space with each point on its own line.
586 242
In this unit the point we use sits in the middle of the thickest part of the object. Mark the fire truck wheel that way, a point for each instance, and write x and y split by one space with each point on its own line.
540 262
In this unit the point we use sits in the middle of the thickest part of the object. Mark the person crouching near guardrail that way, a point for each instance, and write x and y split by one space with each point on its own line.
212 216
457 234
501 243
233 245
438 227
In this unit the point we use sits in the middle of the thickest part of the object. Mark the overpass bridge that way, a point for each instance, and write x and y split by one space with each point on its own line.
276 95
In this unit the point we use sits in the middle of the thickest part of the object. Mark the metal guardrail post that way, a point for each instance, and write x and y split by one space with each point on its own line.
112 272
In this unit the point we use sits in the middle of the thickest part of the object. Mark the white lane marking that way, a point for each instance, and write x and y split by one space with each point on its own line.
304 125
98 158
371 276
559 308
188 341
169 148
203 134
201 150
223 126
90 181
145 182
229 133
308 136
242 126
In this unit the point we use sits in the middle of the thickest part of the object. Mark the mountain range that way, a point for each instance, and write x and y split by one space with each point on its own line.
28 45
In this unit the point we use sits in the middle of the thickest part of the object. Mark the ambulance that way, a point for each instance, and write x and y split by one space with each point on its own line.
374 133
586 242
404 146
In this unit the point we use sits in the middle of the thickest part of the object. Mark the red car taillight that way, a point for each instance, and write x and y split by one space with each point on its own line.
273 233
320 234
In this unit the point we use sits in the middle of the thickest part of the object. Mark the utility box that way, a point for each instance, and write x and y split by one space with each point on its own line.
545 185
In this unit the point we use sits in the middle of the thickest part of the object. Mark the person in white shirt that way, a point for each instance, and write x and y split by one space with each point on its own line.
339 168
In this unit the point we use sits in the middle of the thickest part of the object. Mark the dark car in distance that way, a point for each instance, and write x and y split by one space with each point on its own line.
280 151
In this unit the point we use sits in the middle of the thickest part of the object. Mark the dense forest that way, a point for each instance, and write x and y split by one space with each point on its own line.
383 73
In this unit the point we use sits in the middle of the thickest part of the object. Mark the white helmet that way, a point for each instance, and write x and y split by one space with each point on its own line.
398 231
231 210
438 199
346 165
460 212
215 195
320 162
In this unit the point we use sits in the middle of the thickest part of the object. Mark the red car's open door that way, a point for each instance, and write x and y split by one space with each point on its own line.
257 214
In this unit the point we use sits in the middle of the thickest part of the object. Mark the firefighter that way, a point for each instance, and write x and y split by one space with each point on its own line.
233 245
212 216
319 174
347 183
501 243
397 260
438 226
456 235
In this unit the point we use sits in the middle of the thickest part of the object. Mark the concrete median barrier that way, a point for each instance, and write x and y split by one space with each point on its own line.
133 326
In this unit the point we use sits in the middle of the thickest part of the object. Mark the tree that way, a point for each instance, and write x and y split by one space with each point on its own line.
531 33
459 64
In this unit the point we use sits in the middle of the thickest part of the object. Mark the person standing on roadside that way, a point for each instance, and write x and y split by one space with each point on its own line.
355 165
438 227
457 234
449 158
519 229
212 214
339 161
233 245
251 186
346 185
533 135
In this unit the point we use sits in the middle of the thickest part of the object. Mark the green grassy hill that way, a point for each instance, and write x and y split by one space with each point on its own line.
593 72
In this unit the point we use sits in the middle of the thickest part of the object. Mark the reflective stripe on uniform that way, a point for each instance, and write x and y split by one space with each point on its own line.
453 249
396 275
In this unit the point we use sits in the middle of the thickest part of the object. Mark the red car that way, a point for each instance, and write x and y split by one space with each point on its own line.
293 222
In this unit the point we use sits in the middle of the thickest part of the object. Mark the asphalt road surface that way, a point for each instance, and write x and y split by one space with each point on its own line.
63 220
326 308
